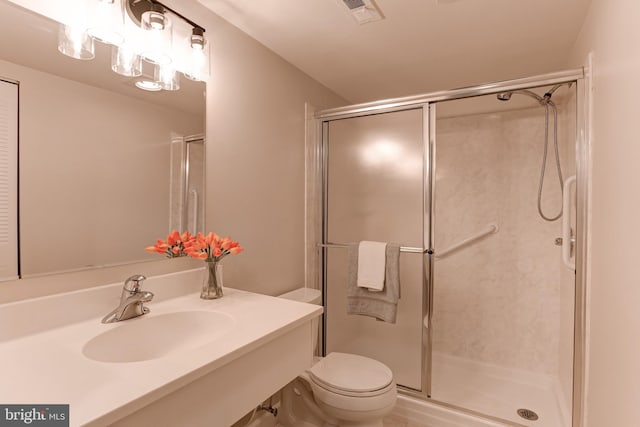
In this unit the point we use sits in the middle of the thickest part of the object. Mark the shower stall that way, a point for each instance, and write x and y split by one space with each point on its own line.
187 183
484 188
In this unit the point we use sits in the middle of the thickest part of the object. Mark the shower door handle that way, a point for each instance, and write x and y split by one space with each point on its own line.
194 198
568 240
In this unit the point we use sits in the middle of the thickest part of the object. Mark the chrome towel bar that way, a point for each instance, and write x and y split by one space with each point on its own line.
402 248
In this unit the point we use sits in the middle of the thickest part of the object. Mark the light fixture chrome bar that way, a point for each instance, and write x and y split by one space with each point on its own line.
402 248
136 8
448 95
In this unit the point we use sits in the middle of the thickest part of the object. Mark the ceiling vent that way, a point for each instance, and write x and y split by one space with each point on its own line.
363 11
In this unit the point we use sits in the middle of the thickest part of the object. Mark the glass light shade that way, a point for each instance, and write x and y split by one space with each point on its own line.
125 61
167 77
149 85
106 21
154 19
75 42
197 67
197 40
158 39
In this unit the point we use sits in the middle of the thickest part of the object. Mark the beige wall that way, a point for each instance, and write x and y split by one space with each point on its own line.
255 164
611 32
255 156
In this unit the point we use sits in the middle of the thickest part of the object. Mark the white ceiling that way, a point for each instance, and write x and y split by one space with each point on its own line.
420 46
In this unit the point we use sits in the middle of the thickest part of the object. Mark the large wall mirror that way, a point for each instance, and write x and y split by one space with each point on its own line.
95 152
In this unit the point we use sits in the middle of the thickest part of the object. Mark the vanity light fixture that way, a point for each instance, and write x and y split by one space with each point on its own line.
125 61
197 40
150 85
106 21
74 42
198 61
140 31
154 19
167 77
154 34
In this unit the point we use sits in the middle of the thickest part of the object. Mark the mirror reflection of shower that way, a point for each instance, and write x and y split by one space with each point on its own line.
187 183
547 103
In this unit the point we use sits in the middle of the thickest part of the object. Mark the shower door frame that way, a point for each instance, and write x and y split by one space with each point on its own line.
183 178
427 102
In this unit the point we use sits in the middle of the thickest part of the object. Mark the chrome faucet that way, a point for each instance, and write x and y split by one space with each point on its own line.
132 301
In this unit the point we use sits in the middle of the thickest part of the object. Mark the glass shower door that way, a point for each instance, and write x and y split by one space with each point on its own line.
375 191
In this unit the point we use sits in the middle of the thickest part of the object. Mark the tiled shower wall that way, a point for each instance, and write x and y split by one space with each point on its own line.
505 300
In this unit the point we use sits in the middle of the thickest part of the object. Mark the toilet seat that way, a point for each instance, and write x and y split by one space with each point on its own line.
352 375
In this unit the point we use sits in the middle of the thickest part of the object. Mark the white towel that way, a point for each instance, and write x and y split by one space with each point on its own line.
380 305
371 265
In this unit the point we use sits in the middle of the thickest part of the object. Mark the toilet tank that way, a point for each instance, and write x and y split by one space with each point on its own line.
310 296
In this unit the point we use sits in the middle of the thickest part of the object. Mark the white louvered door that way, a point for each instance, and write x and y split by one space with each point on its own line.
8 180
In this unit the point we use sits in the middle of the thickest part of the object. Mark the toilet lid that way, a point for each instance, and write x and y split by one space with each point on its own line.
350 372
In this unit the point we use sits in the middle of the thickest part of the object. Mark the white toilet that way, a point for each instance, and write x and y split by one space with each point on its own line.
340 389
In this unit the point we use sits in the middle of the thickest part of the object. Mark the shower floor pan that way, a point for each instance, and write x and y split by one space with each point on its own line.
497 391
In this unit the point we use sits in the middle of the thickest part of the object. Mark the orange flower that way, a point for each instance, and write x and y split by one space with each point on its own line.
210 247
173 238
226 243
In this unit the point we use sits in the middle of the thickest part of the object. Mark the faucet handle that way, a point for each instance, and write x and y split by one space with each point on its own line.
133 283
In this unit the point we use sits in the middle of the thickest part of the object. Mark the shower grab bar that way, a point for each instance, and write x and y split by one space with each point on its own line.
402 248
568 240
493 228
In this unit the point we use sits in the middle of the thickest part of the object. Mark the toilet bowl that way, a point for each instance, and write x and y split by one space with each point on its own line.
340 389
354 390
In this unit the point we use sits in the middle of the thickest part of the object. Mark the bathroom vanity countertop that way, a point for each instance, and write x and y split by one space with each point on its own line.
49 367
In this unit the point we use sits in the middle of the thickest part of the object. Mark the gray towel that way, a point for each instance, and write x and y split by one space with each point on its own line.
379 304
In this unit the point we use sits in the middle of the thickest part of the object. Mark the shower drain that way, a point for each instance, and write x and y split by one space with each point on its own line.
528 414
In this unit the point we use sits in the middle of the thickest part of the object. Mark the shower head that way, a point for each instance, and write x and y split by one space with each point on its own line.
505 96
542 100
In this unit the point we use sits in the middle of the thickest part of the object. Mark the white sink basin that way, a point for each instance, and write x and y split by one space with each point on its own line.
151 337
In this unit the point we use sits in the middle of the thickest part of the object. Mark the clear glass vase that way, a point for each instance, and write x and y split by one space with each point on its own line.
212 281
